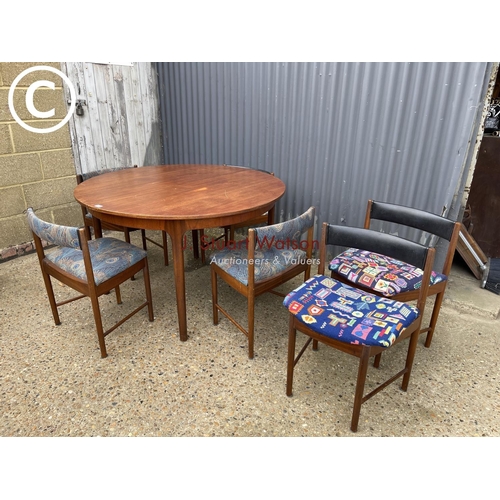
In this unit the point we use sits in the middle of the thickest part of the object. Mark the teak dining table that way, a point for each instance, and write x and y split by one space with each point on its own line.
178 198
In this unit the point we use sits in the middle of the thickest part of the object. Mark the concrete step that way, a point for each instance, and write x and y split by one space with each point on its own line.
465 294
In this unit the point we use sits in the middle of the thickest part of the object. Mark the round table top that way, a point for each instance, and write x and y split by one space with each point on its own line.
180 192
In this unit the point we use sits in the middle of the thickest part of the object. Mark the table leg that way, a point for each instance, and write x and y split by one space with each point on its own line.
270 216
180 286
196 251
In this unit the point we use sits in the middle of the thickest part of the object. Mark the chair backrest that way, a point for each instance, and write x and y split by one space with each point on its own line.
55 234
88 175
283 236
250 168
63 236
290 230
387 244
412 217
418 219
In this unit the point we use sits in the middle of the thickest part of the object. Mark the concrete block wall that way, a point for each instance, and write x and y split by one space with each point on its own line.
36 170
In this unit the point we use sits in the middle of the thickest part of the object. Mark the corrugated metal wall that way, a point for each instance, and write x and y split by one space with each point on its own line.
336 133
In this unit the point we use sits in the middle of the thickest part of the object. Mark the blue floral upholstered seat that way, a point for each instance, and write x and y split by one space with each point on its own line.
270 256
109 261
269 261
109 258
354 320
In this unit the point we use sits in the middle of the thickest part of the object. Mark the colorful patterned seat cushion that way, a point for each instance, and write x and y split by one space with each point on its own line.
380 273
348 314
109 257
268 262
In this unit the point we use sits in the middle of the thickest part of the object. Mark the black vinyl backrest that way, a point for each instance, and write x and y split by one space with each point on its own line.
413 217
373 241
249 168
88 175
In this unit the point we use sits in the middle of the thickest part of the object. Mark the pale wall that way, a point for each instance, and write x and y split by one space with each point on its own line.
36 170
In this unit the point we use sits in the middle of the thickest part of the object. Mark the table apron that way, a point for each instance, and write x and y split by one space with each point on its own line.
183 225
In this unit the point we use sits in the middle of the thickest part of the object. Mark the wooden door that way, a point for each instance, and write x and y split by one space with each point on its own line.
116 122
484 198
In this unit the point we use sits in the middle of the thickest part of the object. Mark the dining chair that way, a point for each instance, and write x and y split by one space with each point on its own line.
229 231
269 257
353 320
90 267
391 278
90 221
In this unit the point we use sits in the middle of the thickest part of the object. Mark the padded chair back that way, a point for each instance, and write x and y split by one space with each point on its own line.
55 234
412 217
89 175
288 231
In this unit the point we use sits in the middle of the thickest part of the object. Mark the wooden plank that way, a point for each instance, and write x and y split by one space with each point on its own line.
149 97
68 69
90 124
121 125
134 114
484 197
468 255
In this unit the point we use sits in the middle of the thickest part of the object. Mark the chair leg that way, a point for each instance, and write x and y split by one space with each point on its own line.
412 347
147 285
315 345
376 361
52 299
292 335
360 387
88 232
202 245
98 324
194 237
143 236
97 228
214 296
435 314
126 233
165 247
118 295
251 321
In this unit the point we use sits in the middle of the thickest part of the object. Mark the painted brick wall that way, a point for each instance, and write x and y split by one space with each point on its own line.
36 170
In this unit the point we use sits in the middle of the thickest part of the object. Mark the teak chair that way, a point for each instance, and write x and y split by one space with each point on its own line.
90 222
271 256
397 280
352 320
229 231
91 267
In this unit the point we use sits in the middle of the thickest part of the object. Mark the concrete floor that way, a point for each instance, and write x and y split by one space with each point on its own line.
54 383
